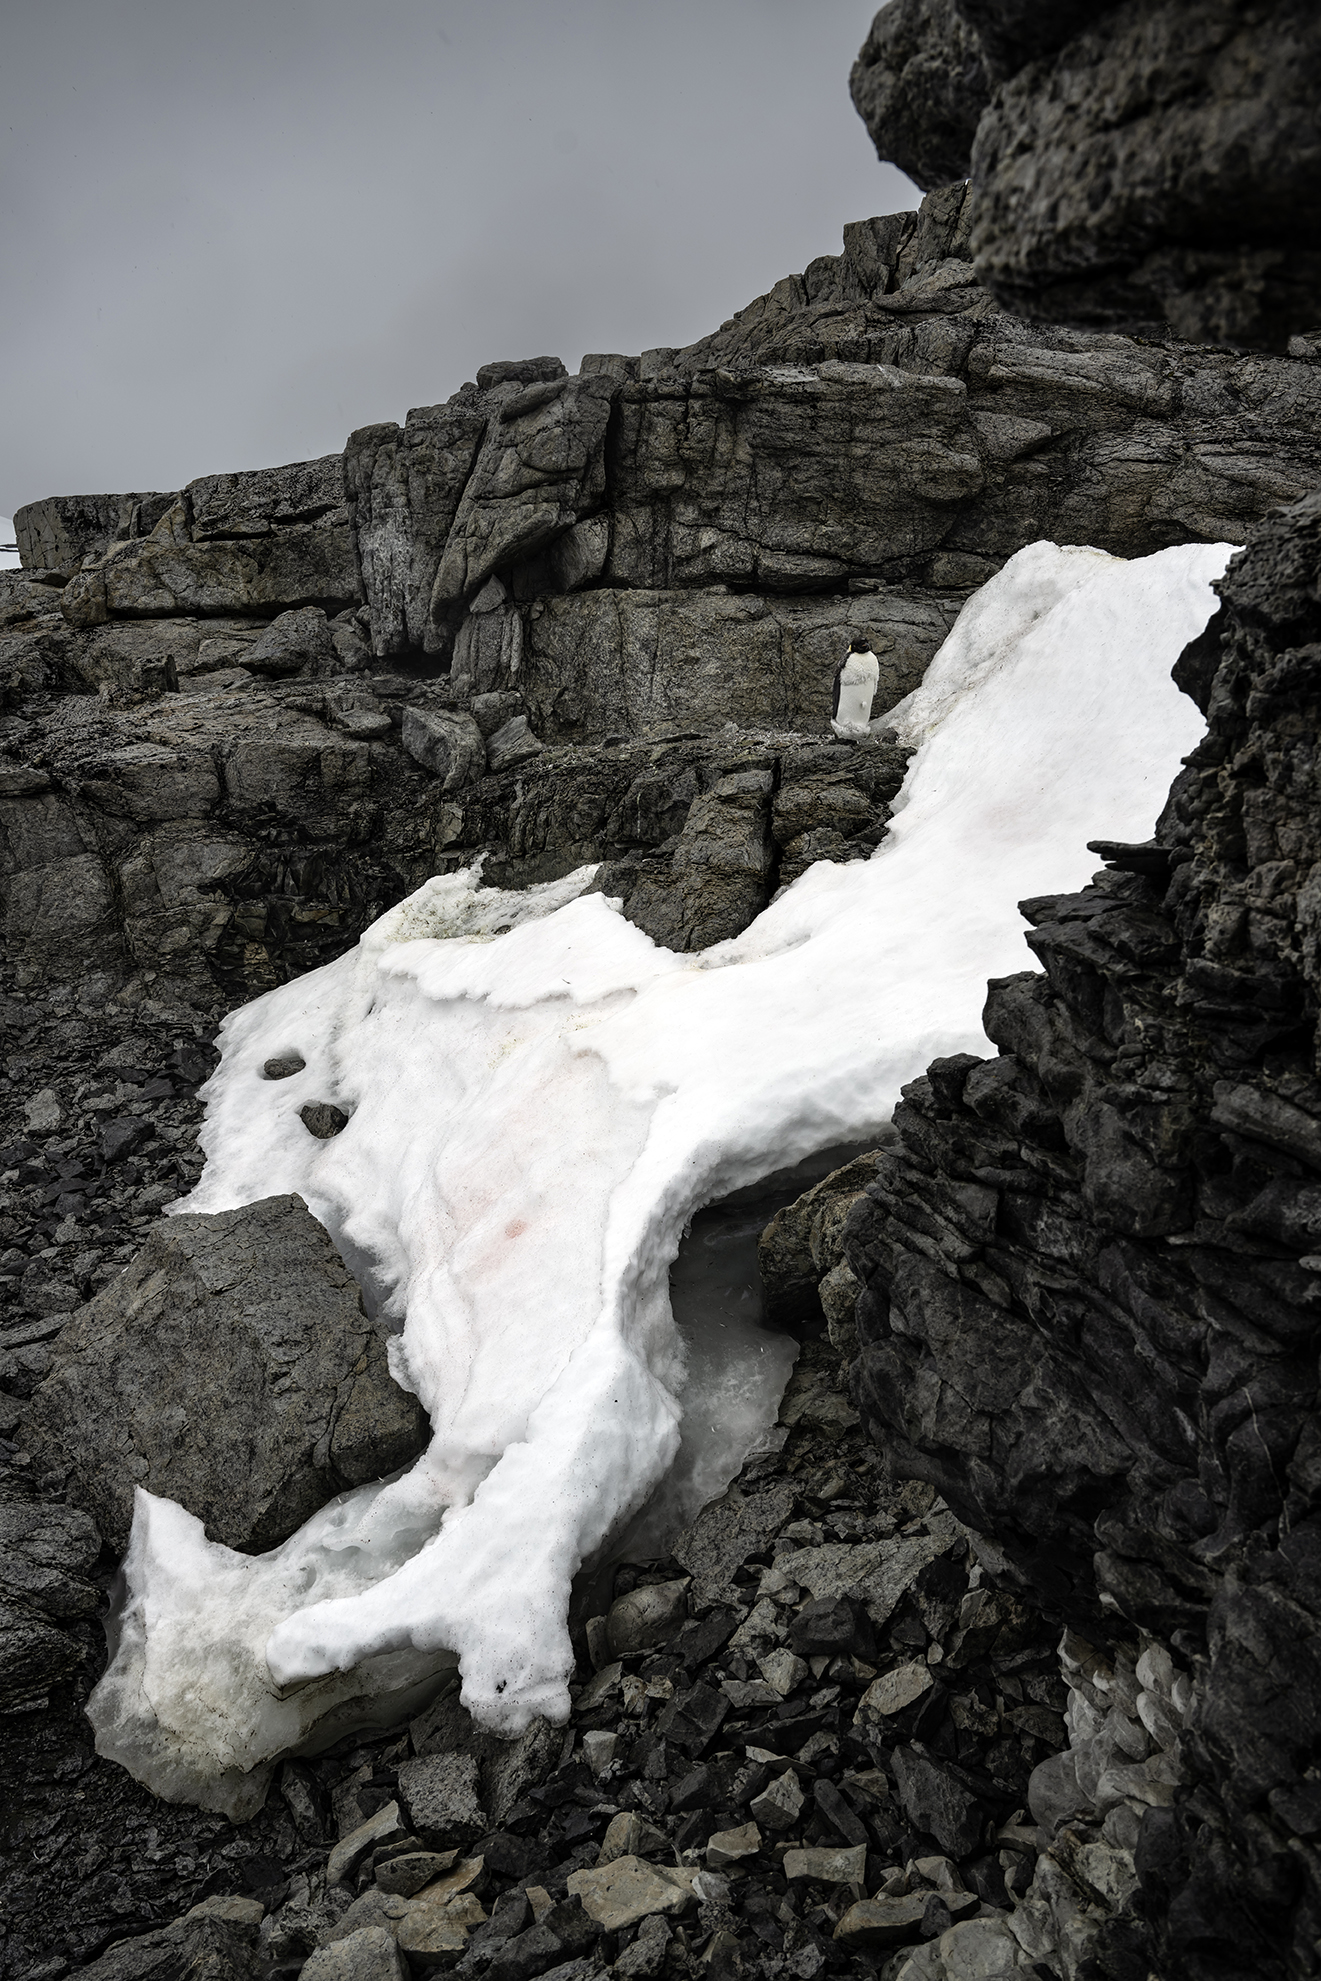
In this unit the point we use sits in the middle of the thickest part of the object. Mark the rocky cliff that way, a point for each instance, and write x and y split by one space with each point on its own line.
208 776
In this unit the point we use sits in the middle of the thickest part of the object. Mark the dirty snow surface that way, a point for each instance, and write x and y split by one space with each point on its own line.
539 1099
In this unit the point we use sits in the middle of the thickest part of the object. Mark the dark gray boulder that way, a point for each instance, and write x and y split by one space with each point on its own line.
229 1367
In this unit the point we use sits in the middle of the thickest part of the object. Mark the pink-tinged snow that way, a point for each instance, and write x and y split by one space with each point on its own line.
535 1114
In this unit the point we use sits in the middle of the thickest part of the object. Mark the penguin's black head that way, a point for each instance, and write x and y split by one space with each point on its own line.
859 646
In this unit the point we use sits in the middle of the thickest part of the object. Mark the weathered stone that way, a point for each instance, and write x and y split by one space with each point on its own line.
830 1867
193 1334
630 1835
562 1934
779 1807
405 484
367 1955
510 745
804 1241
439 1791
619 1894
919 86
936 1803
34 1655
725 1533
46 1555
210 1948
447 743
411 1872
432 1940
647 1618
726 1847
782 1671
883 1922
540 467
58 533
384 1827
892 1692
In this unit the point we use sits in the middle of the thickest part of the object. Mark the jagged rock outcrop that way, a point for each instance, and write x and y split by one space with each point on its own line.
1090 1286
1132 166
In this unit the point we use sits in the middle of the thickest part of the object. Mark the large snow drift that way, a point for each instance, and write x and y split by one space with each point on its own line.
534 1115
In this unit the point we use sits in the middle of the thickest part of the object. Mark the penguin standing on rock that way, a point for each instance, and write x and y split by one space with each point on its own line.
856 681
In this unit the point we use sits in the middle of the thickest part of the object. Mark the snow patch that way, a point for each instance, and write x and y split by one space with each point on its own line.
539 1098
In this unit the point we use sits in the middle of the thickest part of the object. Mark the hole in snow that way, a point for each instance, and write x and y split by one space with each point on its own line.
737 1367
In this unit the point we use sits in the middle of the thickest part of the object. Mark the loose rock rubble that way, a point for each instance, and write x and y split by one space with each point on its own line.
802 1741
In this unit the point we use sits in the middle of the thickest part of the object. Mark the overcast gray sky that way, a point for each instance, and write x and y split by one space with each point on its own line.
233 230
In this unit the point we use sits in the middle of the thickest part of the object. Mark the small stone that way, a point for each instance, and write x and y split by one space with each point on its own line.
644 1960
599 1749
828 1867
349 1852
541 1902
283 1069
368 1955
512 744
935 1803
373 1908
630 1835
435 1940
597 1690
940 1873
446 742
413 1871
619 1894
883 1922
692 1719
233 1909
43 1113
439 1792
322 1120
779 1806
892 1692
728 1847
782 1670
647 1618
467 1874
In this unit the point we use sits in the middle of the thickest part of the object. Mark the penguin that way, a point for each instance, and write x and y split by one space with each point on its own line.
854 688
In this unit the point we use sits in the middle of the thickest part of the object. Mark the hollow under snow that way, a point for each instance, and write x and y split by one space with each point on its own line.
534 1116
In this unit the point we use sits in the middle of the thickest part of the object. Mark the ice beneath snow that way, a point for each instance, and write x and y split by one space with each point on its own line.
539 1098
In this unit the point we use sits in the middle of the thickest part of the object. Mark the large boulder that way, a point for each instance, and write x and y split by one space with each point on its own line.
230 1367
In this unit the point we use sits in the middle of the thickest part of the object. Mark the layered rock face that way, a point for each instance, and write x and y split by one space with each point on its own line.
1088 1314
632 559
1131 165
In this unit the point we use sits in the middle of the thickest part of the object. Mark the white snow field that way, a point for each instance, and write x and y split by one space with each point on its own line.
539 1099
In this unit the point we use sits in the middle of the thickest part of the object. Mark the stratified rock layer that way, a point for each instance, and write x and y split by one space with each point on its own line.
1091 1278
